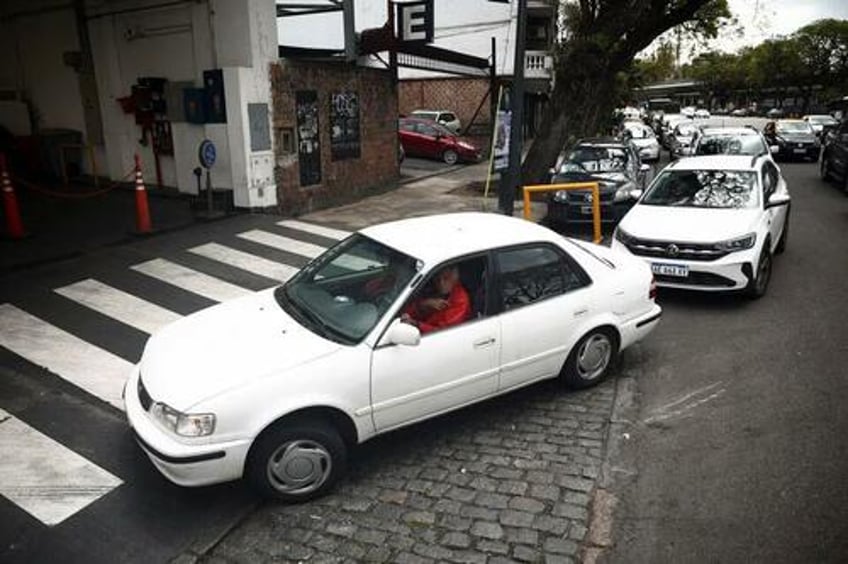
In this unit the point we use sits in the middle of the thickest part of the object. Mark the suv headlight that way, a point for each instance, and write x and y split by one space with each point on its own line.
561 196
185 424
738 244
622 235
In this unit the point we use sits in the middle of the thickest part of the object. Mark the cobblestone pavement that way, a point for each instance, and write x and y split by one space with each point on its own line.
510 479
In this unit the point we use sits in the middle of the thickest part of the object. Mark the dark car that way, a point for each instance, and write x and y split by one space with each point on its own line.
834 161
793 138
423 138
614 164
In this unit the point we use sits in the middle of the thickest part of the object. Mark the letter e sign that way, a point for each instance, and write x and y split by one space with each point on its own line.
415 21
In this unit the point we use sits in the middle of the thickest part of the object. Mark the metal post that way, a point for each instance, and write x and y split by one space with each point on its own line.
512 178
493 80
349 31
393 59
209 192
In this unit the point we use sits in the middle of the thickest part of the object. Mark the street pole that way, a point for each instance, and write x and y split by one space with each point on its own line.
512 177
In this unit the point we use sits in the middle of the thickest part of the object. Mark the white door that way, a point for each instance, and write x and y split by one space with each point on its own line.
447 369
544 295
775 216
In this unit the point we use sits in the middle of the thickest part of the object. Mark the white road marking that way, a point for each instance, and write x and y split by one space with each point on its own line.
666 411
119 305
328 232
283 243
191 280
84 365
44 478
245 261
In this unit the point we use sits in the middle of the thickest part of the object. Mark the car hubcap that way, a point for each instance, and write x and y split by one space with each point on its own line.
299 467
450 157
594 356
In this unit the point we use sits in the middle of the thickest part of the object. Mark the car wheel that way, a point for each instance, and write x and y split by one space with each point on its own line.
589 361
824 169
297 460
450 157
758 285
781 244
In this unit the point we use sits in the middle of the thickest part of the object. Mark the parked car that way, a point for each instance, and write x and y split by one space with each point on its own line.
688 111
710 223
834 160
729 141
644 139
442 117
681 139
794 139
614 164
277 387
821 122
423 138
701 113
775 113
739 112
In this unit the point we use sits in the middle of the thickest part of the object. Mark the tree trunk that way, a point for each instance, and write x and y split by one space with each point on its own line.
581 105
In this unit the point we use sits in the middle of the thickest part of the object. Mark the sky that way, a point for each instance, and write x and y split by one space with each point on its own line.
762 19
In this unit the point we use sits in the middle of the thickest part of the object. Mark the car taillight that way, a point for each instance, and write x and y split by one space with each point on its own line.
652 290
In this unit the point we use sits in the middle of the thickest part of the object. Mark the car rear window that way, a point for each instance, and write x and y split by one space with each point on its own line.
730 144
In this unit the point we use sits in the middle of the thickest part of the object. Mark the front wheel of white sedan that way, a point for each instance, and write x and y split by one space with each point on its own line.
296 461
590 360
758 285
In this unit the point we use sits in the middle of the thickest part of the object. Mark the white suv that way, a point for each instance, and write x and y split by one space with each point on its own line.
710 223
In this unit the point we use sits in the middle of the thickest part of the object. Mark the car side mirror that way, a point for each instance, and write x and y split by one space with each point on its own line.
774 149
645 168
775 200
636 193
400 333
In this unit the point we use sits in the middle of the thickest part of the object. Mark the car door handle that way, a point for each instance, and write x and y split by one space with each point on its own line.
484 343
580 312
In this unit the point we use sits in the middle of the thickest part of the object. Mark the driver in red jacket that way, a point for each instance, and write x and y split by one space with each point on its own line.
448 304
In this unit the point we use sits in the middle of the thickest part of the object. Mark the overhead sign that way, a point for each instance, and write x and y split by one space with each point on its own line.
414 21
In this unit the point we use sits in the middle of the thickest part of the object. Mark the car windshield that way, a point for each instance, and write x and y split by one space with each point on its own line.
794 127
344 292
426 115
703 189
597 159
730 144
640 132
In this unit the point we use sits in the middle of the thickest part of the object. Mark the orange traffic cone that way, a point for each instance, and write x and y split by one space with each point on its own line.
14 225
142 210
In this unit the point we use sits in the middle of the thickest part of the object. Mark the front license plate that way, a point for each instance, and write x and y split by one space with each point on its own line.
586 210
670 270
800 151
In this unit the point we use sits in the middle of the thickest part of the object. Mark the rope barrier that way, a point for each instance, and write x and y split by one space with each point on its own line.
71 196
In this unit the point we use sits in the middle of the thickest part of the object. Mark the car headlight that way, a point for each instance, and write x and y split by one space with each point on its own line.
738 244
468 146
561 196
622 235
185 424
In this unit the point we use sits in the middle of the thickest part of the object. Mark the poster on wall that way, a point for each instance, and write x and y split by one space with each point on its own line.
308 147
503 127
344 125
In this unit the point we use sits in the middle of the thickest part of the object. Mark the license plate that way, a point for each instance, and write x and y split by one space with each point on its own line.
800 151
586 210
670 270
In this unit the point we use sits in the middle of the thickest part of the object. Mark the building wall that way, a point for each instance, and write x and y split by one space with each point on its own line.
341 180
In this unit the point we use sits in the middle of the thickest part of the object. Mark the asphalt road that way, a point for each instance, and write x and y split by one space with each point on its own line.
739 452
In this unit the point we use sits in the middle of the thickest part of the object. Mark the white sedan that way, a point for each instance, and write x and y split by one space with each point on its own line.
276 387
711 223
645 140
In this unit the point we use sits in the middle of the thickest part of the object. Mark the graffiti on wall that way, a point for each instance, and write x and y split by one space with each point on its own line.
344 125
308 145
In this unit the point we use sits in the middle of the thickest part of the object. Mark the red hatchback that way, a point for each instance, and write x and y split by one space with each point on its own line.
422 138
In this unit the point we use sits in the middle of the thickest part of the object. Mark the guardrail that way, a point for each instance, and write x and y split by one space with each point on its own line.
527 191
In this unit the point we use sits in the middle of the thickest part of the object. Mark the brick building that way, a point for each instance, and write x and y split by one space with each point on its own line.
335 128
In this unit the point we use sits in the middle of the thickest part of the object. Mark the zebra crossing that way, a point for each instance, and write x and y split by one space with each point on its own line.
52 482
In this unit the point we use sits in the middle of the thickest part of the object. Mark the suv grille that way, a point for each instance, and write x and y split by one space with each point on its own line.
697 279
143 397
667 249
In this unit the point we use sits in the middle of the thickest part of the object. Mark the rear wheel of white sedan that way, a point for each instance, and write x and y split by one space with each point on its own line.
590 360
297 461
758 285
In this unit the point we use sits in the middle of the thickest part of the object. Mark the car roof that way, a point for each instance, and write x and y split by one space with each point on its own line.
436 238
790 121
604 141
716 162
712 130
